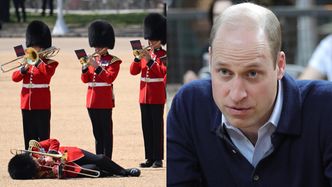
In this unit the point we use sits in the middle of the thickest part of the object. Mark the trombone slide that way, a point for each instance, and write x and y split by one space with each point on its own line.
94 173
62 157
11 65
31 57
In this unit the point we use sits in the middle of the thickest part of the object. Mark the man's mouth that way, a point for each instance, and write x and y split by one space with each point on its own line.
237 111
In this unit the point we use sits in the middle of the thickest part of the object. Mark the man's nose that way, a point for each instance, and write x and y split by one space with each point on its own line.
238 90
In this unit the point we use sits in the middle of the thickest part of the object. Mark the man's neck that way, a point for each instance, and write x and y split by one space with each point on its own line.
251 134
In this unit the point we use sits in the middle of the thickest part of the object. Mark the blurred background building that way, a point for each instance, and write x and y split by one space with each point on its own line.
304 24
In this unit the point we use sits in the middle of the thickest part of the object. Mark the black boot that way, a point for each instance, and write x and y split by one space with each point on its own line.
157 164
146 164
133 172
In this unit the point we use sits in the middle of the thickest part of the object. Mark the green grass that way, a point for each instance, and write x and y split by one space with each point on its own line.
73 20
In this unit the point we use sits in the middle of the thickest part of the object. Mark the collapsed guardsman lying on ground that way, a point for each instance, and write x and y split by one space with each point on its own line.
78 163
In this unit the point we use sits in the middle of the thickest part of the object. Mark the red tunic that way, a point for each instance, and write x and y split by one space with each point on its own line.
73 154
153 79
100 86
35 93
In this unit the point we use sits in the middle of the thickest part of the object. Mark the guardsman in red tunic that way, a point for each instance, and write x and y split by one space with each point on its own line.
99 73
35 94
151 65
77 163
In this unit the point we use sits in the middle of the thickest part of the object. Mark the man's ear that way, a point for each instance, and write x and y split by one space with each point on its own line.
281 65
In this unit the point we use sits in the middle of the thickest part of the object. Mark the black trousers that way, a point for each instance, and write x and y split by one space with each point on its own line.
18 4
153 130
50 5
102 126
101 163
36 125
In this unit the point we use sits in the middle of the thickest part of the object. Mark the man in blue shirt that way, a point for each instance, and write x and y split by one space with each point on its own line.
251 124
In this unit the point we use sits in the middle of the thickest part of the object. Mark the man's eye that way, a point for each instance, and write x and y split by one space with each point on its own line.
252 74
224 72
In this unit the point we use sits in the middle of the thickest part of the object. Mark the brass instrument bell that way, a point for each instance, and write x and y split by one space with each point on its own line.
33 144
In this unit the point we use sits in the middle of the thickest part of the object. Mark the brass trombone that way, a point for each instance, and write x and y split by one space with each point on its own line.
31 57
63 159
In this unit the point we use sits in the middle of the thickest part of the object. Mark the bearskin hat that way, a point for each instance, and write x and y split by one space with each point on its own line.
38 34
155 27
101 34
22 166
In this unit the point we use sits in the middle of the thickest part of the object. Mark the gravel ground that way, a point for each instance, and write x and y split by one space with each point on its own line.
70 122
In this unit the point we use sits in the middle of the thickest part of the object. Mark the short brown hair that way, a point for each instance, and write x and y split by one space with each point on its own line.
264 17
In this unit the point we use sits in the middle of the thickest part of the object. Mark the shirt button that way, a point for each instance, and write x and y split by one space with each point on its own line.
256 178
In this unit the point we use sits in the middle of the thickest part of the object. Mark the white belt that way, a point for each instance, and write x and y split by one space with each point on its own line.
145 79
35 85
98 84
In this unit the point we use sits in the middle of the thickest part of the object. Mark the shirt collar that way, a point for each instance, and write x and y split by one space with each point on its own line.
275 116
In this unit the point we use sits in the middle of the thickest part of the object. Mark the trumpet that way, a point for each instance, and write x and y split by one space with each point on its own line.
138 52
31 57
86 60
62 165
